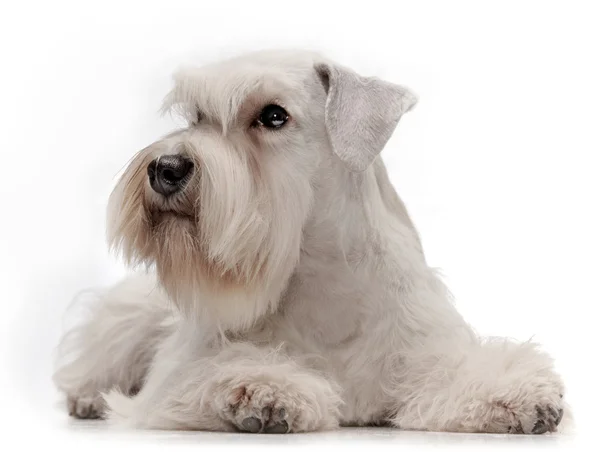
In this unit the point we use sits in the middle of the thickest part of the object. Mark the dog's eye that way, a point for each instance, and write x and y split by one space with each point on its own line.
273 116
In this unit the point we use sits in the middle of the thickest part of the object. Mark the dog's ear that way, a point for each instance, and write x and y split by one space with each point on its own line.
361 113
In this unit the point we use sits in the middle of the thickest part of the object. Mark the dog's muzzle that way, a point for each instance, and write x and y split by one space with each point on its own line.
168 174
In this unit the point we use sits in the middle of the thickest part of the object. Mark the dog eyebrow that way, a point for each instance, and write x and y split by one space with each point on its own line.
197 96
225 96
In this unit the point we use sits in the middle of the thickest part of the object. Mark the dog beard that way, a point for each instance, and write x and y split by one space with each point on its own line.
214 245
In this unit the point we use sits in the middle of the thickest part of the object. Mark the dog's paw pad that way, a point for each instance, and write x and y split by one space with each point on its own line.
277 428
264 408
540 427
272 421
276 420
252 425
85 407
548 419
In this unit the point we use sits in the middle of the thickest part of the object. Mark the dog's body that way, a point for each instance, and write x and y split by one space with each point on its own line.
292 293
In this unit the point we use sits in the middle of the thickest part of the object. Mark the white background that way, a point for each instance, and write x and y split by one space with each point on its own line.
497 164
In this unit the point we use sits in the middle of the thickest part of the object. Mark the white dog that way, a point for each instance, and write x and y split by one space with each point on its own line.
291 290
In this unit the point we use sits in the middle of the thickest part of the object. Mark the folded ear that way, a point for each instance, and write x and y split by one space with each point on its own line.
361 113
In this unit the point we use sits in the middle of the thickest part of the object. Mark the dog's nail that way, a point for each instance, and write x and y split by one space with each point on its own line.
519 429
278 428
266 413
540 427
282 413
251 425
560 416
540 412
553 412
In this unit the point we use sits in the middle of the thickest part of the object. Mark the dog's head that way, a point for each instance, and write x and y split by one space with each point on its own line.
219 206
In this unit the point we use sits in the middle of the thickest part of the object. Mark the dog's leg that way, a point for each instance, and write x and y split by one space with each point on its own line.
242 388
448 379
492 386
113 346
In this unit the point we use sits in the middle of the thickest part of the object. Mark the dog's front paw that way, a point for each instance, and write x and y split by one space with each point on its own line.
531 418
500 387
85 406
264 407
529 404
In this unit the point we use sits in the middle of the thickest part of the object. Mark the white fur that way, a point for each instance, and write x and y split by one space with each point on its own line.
331 315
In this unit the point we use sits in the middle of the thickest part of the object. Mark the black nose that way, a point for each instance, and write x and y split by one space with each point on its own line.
168 174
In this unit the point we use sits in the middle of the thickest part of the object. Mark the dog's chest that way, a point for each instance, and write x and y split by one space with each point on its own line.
323 311
333 330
